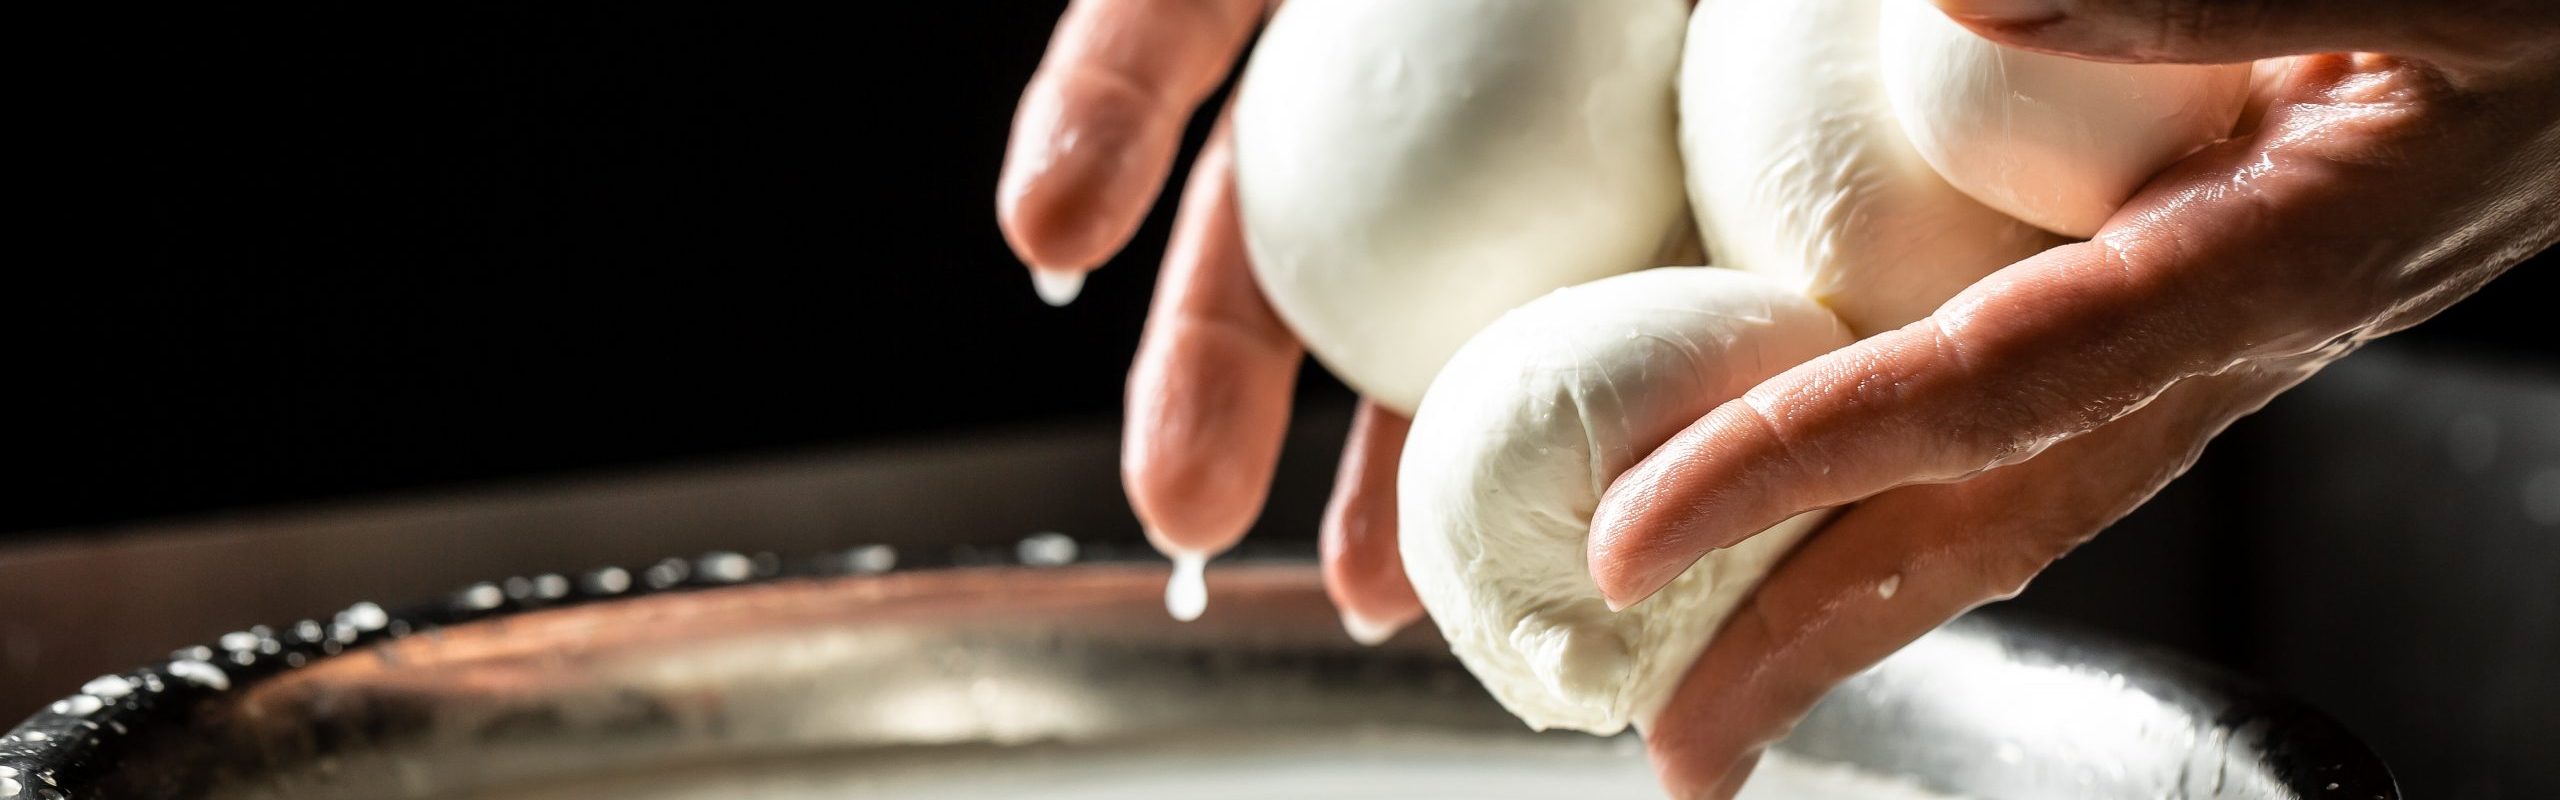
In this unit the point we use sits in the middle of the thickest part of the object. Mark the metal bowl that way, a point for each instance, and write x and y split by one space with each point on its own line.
844 673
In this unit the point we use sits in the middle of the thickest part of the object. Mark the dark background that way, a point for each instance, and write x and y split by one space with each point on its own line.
305 250
288 252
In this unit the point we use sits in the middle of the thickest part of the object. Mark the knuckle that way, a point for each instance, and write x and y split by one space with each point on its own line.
2003 571
2006 411
2179 25
1776 430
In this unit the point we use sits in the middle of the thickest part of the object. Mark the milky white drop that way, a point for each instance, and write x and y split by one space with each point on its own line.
1186 594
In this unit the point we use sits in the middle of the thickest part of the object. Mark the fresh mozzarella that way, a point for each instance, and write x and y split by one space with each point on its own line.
1798 169
1409 170
1517 440
2056 141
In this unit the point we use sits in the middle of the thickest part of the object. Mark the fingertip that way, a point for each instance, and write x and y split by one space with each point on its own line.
1683 501
1626 558
1736 776
1600 549
1186 515
2002 12
1622 583
1368 631
1696 749
1375 601
1188 544
1357 540
1077 182
1688 771
1626 582
2037 25
1372 592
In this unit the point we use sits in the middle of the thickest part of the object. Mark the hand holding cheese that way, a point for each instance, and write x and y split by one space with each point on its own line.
1405 174
2363 194
1525 429
1210 389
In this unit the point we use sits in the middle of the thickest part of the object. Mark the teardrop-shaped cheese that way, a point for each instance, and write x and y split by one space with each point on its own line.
2060 142
1525 429
1798 168
1409 170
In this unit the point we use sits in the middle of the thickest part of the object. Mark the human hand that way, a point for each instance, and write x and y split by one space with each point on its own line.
2367 193
1209 394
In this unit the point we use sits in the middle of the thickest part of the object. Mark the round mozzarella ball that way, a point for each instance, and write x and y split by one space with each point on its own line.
1518 438
2060 142
1798 169
1409 170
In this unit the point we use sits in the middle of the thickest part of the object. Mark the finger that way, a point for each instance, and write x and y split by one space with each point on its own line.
1209 393
2355 209
1895 567
1363 571
1735 777
1100 122
2223 32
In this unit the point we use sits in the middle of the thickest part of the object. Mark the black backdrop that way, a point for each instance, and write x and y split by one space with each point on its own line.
298 250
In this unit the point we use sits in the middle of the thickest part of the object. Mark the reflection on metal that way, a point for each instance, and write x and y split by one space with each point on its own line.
749 660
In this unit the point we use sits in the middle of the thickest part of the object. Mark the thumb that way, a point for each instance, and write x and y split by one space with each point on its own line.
2231 31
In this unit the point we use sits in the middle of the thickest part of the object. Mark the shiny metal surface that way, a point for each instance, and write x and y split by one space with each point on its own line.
518 683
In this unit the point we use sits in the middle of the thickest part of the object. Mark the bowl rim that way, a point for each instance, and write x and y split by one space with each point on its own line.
64 750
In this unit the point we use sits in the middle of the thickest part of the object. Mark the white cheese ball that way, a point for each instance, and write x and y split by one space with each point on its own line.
1524 430
1798 169
2059 142
1409 170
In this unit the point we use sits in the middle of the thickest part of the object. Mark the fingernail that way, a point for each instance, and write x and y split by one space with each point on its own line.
2011 11
1367 631
1057 287
1645 588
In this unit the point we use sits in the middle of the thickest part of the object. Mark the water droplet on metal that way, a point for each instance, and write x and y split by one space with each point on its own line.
725 567
667 573
200 673
610 580
78 705
365 617
1046 549
480 597
871 559
108 686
